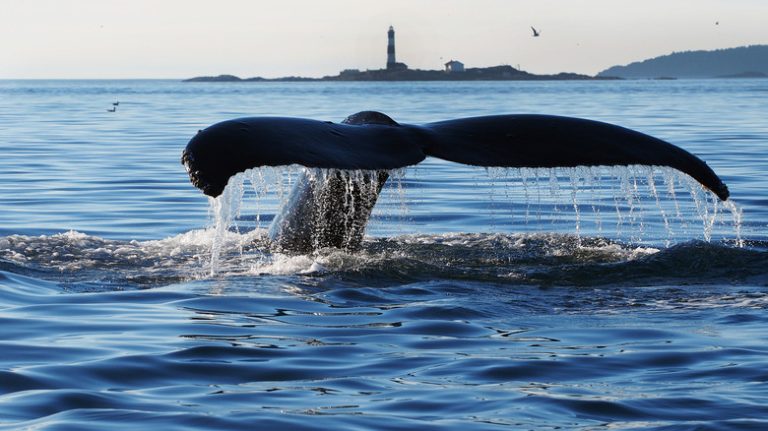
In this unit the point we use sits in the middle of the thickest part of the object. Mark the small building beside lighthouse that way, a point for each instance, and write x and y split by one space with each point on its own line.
454 66
392 63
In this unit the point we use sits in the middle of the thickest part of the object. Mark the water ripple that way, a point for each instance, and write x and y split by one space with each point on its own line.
481 300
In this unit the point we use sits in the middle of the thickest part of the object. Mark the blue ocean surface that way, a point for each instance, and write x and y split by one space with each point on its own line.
579 299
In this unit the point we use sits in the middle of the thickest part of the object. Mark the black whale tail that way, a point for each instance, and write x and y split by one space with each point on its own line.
331 209
373 141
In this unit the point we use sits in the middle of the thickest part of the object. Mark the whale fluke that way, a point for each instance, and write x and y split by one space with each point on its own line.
316 216
372 141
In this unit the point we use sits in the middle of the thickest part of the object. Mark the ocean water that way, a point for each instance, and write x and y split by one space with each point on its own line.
481 299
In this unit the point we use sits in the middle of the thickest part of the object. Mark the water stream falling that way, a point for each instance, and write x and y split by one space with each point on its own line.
615 202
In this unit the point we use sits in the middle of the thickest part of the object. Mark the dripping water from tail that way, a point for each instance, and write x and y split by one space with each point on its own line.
630 193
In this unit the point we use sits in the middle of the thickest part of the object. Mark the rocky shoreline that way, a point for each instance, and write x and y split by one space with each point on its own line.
495 73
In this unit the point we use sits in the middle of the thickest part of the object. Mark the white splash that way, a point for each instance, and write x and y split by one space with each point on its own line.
635 200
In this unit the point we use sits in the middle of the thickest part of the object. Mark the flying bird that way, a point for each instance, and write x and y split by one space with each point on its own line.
536 33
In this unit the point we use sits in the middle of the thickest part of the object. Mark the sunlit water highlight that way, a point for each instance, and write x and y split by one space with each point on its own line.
601 298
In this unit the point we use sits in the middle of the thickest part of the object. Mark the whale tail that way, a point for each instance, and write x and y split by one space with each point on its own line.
315 215
372 141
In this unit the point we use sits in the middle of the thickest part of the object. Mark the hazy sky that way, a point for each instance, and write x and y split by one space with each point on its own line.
185 38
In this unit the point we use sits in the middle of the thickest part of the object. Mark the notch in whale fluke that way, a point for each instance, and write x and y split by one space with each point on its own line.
373 141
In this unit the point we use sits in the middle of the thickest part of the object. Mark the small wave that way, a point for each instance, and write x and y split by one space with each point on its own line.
550 260
528 259
75 259
81 262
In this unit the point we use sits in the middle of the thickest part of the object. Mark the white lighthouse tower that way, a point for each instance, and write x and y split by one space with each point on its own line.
391 62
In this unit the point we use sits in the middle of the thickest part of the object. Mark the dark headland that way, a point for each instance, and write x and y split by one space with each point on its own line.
741 62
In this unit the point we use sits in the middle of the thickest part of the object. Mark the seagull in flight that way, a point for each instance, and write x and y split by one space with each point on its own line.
536 33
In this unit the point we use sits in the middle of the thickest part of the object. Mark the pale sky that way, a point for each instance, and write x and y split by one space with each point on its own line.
186 38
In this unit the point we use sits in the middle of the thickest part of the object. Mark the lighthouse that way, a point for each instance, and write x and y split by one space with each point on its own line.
391 62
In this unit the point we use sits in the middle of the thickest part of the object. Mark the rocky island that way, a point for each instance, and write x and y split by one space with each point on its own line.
395 71
495 73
